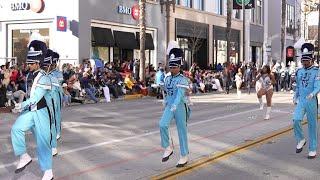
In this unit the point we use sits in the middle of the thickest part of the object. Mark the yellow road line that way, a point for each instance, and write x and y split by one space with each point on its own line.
173 173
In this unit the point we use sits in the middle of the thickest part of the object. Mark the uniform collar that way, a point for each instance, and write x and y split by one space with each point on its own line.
176 75
35 72
308 68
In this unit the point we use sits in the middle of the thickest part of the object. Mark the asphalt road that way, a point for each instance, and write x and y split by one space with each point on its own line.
275 159
121 140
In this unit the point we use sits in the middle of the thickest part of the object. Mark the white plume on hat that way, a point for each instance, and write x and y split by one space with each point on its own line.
36 36
171 45
299 43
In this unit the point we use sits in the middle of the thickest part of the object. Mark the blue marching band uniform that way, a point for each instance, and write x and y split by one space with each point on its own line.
305 98
175 107
56 94
39 112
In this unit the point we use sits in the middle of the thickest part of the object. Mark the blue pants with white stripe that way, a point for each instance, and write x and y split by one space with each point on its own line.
310 108
180 115
39 122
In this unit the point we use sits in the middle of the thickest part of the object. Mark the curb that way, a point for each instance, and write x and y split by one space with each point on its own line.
132 97
173 173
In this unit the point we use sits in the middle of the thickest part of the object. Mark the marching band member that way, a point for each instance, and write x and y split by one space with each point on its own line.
305 98
35 113
175 86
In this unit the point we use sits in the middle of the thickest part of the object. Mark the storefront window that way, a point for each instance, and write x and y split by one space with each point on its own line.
20 40
116 55
102 53
183 43
222 51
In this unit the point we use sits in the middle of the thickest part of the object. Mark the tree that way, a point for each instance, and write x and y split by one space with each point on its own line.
195 41
142 23
283 28
228 33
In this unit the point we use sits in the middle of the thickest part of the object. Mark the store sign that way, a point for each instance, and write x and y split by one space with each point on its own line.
124 10
134 11
249 4
61 23
36 6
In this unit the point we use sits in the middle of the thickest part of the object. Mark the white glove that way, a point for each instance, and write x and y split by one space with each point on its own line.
310 96
18 106
173 108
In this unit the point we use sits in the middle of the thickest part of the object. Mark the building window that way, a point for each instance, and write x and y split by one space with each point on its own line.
259 12
198 4
186 3
252 17
217 4
237 14
290 19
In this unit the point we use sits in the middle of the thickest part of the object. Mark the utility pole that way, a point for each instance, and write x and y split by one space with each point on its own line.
167 4
244 32
142 25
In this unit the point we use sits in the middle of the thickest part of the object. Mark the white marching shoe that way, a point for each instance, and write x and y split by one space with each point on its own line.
48 175
300 145
312 154
182 161
54 151
167 153
24 161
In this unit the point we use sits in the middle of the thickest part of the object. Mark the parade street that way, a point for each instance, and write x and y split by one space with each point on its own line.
120 140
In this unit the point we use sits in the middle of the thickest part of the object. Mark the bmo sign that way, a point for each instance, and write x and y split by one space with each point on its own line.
134 11
36 6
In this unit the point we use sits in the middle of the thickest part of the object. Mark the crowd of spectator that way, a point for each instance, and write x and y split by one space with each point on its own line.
88 81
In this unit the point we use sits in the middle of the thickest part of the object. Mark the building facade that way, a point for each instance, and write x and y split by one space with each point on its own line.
293 14
109 30
210 18
81 29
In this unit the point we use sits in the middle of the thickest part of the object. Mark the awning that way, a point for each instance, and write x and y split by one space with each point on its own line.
125 40
101 37
149 41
